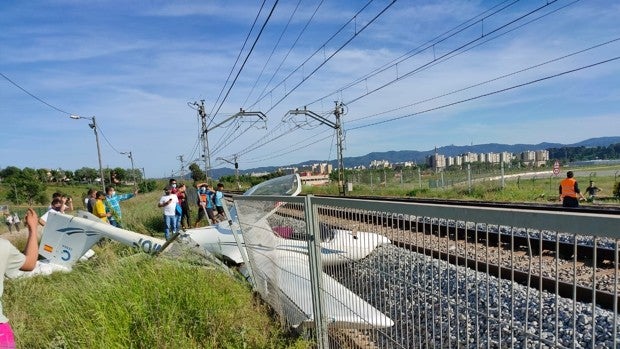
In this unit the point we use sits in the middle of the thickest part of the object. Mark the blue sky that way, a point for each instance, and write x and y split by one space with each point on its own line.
412 74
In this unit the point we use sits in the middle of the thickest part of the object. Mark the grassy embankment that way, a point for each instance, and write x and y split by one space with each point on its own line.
123 299
540 189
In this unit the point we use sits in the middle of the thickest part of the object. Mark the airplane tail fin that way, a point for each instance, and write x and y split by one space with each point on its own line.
66 238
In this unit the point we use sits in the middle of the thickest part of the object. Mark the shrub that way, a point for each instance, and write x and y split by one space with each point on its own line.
147 186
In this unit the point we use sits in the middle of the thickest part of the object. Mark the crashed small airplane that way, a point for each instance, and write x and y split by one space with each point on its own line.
278 262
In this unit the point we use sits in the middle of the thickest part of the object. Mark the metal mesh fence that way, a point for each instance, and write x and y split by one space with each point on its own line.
404 275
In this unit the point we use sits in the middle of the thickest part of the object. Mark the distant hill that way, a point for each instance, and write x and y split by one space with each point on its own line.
394 156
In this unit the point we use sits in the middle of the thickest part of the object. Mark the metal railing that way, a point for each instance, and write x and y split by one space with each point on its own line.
452 276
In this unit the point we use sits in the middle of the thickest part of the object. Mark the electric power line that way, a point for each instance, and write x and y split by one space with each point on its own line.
33 96
238 56
487 94
246 58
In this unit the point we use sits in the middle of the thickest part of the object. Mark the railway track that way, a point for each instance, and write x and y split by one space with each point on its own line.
425 236
565 250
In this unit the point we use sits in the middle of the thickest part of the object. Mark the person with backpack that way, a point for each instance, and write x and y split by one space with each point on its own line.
205 203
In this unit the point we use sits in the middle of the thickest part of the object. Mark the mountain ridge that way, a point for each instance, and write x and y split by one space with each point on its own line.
394 156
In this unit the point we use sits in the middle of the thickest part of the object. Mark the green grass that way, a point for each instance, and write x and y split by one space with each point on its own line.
140 302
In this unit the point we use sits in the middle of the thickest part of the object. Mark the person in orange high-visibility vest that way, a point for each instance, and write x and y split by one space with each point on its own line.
569 191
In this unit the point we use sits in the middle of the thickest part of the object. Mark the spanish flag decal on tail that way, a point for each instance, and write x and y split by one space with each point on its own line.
48 248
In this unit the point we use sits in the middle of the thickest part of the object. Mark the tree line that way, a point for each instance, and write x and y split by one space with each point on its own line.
29 185
571 154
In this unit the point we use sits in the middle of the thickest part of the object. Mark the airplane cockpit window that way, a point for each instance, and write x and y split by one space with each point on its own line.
289 185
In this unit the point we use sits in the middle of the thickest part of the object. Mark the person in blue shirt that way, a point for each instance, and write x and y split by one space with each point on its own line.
113 206
219 206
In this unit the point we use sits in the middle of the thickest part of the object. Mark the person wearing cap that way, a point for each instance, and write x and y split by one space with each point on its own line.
569 191
169 203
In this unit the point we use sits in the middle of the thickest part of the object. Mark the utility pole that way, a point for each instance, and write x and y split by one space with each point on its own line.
203 136
338 112
133 170
180 158
205 130
236 169
241 113
93 126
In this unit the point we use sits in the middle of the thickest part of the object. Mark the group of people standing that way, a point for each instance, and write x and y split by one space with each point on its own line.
176 208
106 205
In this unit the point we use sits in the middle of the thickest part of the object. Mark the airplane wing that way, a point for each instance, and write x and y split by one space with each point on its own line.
283 278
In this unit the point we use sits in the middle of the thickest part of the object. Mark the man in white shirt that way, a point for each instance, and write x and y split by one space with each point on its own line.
169 203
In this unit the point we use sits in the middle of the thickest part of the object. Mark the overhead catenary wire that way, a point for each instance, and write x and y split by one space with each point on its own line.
488 94
341 47
458 29
275 46
450 53
246 58
554 60
293 45
287 151
329 57
357 32
421 48
237 59
257 145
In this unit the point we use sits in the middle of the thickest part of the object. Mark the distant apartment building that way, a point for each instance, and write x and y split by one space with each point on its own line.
528 157
404 164
309 179
449 161
532 158
259 174
315 174
535 158
542 156
380 164
506 157
437 162
454 161
288 170
469 158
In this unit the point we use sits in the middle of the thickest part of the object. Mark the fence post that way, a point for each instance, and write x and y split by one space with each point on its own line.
316 271
469 178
